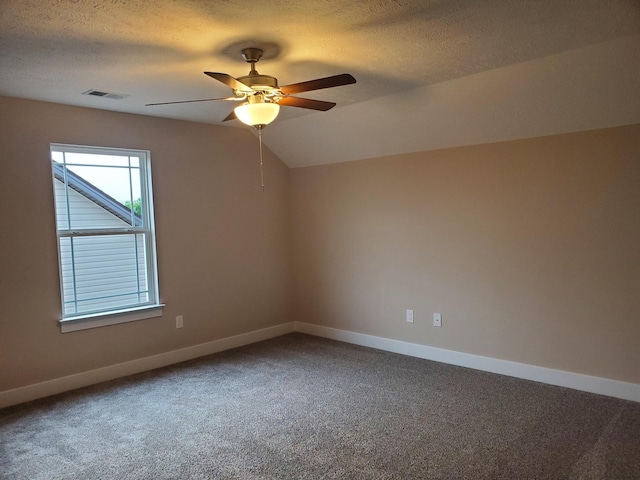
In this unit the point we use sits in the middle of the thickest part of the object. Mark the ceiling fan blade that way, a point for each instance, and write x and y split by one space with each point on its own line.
229 81
319 83
231 116
192 101
306 103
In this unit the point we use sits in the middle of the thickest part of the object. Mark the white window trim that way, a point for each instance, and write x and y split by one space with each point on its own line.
152 309
73 324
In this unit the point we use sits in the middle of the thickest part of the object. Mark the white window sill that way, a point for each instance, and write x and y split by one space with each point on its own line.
111 318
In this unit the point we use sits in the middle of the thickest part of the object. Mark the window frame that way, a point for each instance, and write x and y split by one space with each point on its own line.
114 315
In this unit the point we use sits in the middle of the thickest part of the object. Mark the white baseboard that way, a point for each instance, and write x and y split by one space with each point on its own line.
576 381
602 386
71 382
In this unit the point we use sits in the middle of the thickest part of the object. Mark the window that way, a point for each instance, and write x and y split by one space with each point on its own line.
104 219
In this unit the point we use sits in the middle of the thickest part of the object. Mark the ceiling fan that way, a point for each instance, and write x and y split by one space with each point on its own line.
261 96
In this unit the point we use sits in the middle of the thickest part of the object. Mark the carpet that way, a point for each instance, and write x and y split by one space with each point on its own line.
303 407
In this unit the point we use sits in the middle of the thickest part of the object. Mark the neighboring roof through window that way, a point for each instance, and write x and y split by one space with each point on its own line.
96 195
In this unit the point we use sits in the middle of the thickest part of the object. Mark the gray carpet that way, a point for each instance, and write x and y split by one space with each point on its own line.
301 407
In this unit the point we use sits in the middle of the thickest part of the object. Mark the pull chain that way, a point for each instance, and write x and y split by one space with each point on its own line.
261 162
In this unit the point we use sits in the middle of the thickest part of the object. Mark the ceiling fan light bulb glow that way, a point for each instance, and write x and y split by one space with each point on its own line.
254 114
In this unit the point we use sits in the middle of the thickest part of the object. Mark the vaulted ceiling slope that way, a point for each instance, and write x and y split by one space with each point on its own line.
431 74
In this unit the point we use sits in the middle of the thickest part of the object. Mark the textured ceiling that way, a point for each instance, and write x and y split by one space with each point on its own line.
156 51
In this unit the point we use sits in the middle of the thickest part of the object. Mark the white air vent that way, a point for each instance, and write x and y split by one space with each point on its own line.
112 96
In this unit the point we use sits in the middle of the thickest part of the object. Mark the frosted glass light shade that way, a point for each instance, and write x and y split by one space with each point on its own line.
257 113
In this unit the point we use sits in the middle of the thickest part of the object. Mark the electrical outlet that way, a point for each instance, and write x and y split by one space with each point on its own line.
437 319
179 321
410 316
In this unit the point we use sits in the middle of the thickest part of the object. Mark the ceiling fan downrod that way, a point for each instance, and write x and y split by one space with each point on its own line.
252 56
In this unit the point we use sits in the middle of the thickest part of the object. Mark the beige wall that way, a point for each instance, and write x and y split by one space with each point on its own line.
530 249
223 244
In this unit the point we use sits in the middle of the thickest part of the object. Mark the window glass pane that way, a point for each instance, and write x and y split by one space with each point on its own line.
66 273
60 192
96 159
98 197
112 181
136 193
103 272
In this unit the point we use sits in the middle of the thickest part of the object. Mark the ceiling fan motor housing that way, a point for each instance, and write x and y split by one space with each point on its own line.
260 82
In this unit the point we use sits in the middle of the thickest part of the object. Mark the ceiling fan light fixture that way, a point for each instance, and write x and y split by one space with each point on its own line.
257 114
